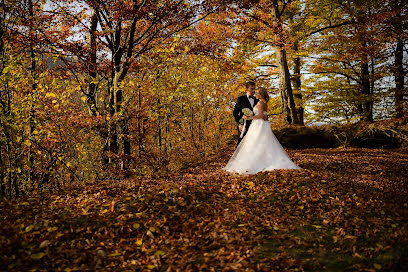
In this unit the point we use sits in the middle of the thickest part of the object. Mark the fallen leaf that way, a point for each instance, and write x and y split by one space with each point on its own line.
37 256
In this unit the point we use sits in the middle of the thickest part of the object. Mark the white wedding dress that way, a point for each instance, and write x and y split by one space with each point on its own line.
259 151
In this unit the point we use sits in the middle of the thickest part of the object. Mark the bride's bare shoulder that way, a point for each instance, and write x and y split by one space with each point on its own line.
262 104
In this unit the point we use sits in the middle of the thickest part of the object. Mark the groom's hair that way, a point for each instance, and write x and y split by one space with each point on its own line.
249 84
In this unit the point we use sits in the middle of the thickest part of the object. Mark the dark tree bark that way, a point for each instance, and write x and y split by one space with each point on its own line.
367 103
297 84
2 104
285 85
92 87
34 76
399 74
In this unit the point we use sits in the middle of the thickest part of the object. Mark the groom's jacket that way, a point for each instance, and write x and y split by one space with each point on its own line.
242 103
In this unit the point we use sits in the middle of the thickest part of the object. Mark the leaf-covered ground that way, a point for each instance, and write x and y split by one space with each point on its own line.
346 210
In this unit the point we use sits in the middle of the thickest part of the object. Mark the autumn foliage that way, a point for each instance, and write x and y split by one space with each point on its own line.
116 118
94 90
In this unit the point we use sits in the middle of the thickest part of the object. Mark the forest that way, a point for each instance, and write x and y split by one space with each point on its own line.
116 121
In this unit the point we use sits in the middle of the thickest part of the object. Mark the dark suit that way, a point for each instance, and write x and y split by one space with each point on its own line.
242 102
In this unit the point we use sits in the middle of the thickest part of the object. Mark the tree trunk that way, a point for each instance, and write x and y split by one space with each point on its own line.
285 105
112 130
399 78
285 86
159 129
166 133
116 96
2 107
367 103
123 130
297 84
2 184
91 99
139 127
33 73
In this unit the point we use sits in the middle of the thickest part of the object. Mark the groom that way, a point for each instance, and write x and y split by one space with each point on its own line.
245 101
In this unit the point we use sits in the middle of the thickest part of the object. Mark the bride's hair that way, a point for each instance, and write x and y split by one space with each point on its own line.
264 93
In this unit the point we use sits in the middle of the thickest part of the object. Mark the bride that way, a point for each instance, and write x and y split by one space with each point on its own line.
259 150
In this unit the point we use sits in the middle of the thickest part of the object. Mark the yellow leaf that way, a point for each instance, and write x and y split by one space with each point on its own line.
136 225
114 254
52 229
139 242
44 243
377 266
250 184
38 255
301 207
29 228
159 253
83 98
150 266
152 229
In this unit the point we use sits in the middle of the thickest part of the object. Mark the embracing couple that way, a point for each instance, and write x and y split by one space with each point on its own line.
257 149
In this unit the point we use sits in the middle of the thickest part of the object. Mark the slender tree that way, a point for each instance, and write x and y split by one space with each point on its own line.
398 25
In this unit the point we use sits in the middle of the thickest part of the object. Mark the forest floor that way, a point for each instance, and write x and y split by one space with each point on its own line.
346 210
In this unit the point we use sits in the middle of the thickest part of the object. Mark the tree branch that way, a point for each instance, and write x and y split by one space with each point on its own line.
268 65
340 73
283 8
329 27
261 20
